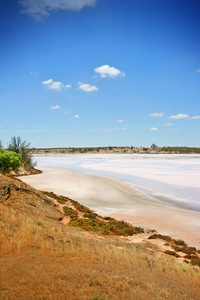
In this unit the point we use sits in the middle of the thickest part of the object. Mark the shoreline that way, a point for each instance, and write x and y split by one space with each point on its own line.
113 198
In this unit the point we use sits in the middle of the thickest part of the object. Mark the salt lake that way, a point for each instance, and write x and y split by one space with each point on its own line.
173 179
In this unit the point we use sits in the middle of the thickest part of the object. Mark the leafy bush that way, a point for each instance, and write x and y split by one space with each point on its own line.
9 160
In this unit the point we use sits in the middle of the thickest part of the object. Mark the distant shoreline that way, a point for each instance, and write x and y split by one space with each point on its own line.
117 150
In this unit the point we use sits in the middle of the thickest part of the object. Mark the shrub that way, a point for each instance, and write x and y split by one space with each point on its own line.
9 160
180 243
22 148
173 253
195 262
160 236
69 211
90 216
189 256
186 250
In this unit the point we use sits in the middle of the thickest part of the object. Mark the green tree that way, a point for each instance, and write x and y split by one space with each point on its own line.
154 146
21 147
9 160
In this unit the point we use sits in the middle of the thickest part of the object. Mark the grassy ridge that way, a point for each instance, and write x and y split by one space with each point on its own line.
41 258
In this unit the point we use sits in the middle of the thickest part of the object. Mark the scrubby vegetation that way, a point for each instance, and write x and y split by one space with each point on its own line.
182 150
195 262
9 161
113 227
173 253
70 211
83 217
192 254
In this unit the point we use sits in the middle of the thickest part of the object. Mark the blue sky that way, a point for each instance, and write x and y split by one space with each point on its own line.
100 72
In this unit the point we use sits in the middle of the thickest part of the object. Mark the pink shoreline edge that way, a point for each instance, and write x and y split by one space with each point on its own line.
113 198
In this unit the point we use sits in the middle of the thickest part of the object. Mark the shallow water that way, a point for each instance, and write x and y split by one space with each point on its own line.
173 179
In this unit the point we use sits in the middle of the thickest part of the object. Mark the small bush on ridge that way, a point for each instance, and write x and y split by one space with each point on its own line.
9 160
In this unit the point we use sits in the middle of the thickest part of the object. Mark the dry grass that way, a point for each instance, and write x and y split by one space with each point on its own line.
42 258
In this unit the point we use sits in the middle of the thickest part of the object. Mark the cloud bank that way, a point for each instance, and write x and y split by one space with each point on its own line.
56 85
107 71
38 9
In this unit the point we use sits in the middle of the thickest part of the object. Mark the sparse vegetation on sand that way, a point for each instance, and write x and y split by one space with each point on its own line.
91 221
42 258
181 247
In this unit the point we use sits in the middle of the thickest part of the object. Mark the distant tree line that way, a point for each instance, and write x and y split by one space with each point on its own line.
181 149
152 149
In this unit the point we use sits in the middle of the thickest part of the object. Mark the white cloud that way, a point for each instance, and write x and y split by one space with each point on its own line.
168 124
107 71
47 82
55 85
161 114
123 128
179 116
195 118
121 121
108 131
154 128
76 116
87 87
55 107
38 9
67 86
